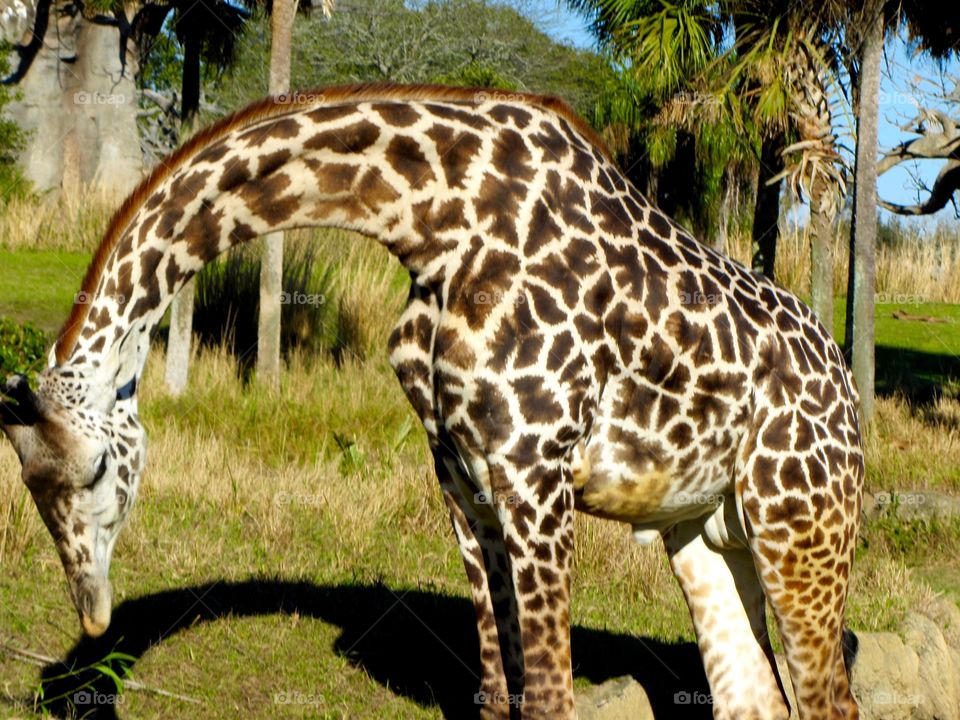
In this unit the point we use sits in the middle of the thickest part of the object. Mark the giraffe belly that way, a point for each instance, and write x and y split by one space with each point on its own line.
618 498
645 489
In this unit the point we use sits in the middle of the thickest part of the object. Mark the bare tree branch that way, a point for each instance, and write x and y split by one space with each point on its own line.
939 140
946 184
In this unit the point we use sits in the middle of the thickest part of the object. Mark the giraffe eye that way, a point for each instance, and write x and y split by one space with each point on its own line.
101 469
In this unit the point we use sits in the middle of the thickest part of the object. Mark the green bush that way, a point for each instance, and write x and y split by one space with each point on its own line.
227 305
22 348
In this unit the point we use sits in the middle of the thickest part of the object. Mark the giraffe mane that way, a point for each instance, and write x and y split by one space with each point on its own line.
268 107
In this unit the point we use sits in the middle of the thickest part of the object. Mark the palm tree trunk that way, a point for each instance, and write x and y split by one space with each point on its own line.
728 202
766 213
821 263
271 269
177 367
820 174
859 339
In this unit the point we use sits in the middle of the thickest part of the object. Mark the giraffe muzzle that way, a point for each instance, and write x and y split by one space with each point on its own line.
93 599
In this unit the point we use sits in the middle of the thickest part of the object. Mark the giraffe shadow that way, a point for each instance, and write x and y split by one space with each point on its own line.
418 644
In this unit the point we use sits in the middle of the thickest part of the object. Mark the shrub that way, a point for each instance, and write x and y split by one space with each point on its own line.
22 348
227 305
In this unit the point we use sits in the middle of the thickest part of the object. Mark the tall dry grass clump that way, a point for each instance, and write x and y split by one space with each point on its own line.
73 223
911 267
20 522
369 286
920 271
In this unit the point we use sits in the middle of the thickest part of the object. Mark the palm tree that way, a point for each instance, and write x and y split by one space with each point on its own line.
646 116
935 31
816 171
771 83
271 269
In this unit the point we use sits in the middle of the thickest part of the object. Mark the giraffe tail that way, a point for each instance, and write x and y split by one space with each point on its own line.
851 646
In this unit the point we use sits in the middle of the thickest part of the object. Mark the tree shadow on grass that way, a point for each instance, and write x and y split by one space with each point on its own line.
419 644
920 377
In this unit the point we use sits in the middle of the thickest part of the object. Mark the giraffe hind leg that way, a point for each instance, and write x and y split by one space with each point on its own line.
728 610
803 546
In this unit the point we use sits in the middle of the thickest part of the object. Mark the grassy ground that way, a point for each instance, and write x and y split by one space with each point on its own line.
289 555
39 286
261 559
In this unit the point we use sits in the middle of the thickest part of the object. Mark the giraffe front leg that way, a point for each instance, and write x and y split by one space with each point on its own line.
728 608
537 527
486 565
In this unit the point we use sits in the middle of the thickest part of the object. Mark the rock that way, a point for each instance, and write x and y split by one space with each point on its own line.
886 678
939 694
618 699
946 615
912 505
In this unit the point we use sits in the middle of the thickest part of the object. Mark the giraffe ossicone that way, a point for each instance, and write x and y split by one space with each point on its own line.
565 345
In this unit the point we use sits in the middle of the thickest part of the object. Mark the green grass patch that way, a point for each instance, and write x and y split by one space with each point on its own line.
39 286
290 555
917 347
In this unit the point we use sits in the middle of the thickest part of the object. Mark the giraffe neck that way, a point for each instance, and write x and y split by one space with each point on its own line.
398 169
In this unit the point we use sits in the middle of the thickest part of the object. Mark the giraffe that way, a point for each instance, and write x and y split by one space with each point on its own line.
565 345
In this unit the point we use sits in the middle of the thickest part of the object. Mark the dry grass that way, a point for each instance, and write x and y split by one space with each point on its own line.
914 446
882 591
20 523
369 284
914 270
56 222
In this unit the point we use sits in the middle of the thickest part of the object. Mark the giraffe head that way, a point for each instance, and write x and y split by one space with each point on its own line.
81 453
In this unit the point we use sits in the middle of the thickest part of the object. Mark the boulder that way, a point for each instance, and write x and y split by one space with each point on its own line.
912 505
886 678
618 699
946 615
939 693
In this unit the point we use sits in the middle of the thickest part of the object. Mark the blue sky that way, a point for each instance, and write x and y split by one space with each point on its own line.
902 87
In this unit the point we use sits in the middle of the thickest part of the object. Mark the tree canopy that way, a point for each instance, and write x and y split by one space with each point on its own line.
463 42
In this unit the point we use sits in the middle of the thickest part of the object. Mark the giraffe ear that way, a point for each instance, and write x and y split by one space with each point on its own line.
19 413
21 406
